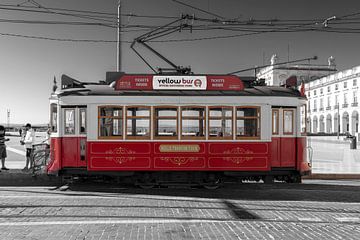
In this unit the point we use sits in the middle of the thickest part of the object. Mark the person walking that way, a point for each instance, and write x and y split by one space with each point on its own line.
29 140
3 154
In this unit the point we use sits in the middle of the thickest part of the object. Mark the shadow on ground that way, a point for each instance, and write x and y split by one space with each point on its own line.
240 191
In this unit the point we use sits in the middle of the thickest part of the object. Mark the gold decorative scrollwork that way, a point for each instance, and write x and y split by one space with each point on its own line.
119 150
179 160
238 160
120 160
238 150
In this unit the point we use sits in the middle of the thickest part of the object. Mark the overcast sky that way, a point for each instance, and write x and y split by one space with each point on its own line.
28 66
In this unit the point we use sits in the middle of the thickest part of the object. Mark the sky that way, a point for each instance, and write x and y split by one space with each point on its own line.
28 65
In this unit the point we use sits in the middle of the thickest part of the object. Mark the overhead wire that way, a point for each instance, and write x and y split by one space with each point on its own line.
249 27
62 39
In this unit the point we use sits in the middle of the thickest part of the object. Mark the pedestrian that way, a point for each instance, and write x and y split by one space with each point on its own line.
3 154
28 142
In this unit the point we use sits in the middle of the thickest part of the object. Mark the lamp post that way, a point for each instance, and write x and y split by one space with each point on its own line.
338 120
8 118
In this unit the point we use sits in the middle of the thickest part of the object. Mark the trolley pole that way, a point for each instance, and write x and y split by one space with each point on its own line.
119 38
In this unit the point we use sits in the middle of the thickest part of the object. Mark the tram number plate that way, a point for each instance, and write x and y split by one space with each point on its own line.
179 148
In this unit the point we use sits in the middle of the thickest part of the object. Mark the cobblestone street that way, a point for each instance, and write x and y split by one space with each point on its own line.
314 210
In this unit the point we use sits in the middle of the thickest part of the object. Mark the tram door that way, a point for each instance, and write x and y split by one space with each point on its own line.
74 137
283 137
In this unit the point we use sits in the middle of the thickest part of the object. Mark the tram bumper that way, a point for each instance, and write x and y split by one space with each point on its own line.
305 169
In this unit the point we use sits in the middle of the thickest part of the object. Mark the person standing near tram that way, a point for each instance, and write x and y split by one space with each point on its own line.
3 154
28 141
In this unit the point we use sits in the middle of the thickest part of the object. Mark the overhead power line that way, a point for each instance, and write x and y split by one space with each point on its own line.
101 16
198 9
344 24
61 39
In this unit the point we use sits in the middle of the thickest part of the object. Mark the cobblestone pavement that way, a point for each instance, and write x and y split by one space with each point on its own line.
317 210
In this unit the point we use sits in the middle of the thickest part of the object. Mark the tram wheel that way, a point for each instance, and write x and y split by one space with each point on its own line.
212 185
146 181
294 179
268 179
146 186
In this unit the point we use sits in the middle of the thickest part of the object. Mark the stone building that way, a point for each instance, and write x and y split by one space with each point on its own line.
332 95
333 102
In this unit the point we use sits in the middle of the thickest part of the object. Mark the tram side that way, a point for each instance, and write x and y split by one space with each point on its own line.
183 139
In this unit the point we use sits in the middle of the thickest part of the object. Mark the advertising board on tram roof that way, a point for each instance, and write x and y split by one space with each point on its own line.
187 82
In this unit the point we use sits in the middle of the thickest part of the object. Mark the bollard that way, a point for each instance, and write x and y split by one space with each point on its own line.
353 142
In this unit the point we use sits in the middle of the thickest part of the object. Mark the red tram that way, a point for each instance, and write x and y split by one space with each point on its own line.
197 129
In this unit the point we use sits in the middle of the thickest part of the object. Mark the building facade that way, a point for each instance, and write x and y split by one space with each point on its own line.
333 103
332 95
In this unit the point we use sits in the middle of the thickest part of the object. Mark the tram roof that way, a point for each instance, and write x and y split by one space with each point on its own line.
105 90
124 85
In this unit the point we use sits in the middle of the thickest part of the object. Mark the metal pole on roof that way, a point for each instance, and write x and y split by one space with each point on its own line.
119 38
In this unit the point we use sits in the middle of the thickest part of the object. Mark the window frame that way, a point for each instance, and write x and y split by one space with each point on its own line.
156 118
80 119
220 118
65 119
54 128
192 118
277 122
126 117
258 118
303 133
112 117
292 122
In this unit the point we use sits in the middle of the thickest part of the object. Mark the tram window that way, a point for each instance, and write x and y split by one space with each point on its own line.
275 122
166 122
69 121
53 117
192 122
303 119
220 122
247 122
110 121
138 122
288 121
82 120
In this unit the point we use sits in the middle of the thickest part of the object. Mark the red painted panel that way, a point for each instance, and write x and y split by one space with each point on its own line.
275 152
70 151
226 82
155 156
54 164
82 160
134 82
288 154
239 163
238 148
116 148
119 162
176 162
302 163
